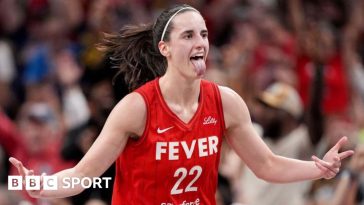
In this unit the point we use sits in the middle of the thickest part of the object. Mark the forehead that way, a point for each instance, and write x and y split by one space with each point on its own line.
188 20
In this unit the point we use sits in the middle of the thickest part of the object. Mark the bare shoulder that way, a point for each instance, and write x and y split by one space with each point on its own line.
230 99
228 93
133 101
130 113
234 107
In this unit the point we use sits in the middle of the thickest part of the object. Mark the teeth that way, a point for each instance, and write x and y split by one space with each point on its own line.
197 57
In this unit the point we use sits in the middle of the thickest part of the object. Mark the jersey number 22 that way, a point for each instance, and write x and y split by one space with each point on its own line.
181 174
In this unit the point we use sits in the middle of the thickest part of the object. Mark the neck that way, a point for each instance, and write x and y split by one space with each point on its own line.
179 90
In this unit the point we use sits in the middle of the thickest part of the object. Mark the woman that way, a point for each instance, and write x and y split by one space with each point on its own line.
166 135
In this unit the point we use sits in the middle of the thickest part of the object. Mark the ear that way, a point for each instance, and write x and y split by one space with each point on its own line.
163 48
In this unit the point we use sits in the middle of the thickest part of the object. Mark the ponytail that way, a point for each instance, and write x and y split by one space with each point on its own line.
134 54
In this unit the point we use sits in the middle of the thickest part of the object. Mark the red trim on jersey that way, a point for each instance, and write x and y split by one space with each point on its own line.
221 110
141 139
172 114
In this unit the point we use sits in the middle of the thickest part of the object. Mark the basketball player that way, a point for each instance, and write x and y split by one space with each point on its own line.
166 135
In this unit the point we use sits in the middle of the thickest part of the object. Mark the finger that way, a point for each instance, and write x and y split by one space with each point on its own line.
336 165
337 162
41 180
320 165
346 154
28 173
340 143
322 168
13 160
43 174
328 165
326 172
19 165
337 170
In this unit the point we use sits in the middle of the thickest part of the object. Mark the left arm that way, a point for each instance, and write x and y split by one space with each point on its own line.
263 162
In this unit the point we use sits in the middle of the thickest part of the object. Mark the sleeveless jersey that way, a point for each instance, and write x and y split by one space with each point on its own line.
173 162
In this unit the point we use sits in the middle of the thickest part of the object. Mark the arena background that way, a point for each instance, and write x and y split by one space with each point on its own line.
56 88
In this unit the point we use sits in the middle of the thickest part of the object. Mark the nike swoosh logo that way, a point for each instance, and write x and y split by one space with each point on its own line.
160 131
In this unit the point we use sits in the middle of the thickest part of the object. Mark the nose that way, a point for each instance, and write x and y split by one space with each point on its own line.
201 42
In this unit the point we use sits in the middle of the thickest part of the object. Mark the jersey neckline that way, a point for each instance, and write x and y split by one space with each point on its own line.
168 110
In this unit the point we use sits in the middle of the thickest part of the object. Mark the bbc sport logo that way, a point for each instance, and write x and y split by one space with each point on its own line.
51 182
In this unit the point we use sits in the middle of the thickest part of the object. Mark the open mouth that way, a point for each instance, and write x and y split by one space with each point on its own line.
197 57
199 64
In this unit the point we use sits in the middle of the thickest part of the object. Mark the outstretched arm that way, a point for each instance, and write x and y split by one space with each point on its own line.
121 123
266 165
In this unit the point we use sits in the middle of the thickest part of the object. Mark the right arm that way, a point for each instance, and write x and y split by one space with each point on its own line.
121 123
243 138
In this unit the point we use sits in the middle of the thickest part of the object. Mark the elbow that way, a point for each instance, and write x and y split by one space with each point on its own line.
263 174
266 170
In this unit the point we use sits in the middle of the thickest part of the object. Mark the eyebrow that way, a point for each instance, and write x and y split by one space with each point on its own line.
191 31
204 31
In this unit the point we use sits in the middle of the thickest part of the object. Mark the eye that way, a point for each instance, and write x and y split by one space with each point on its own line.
188 36
204 35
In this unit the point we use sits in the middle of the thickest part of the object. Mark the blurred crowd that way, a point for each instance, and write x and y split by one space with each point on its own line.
298 64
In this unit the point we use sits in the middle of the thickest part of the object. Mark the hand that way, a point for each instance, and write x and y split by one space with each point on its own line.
331 163
26 172
68 71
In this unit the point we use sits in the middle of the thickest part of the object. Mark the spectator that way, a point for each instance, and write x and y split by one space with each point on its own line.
279 113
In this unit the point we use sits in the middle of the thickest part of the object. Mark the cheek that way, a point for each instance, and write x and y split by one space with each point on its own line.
181 53
207 45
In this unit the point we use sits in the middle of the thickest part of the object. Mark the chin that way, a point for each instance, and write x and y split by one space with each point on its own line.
200 76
